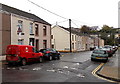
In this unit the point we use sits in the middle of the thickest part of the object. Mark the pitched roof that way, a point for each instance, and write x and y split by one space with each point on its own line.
23 13
73 30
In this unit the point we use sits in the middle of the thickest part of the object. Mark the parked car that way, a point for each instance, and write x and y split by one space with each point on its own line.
119 45
50 54
22 54
99 54
92 48
109 51
115 48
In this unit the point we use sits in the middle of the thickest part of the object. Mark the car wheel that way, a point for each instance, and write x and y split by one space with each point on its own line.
40 59
58 57
23 62
106 60
50 58
92 59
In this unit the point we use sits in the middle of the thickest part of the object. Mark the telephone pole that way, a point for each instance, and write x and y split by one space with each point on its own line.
70 34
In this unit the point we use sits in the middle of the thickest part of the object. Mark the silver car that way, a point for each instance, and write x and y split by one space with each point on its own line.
100 55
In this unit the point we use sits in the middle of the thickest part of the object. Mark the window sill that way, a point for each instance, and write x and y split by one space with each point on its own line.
21 33
31 34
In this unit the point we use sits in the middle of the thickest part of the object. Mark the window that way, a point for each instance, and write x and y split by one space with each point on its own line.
35 50
44 43
37 44
75 37
36 29
31 28
51 36
72 45
20 41
44 30
52 46
20 26
72 37
31 41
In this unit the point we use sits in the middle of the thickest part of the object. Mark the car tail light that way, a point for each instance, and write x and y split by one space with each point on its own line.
47 52
109 51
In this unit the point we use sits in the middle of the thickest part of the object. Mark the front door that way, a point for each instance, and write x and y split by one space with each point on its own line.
37 44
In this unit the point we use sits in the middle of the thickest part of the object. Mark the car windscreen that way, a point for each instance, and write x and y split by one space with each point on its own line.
43 50
107 47
99 52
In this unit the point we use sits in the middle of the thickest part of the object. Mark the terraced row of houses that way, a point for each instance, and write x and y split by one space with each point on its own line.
79 42
18 27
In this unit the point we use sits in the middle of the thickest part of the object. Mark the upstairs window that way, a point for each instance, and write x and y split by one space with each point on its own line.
31 28
36 30
20 26
72 37
44 30
75 38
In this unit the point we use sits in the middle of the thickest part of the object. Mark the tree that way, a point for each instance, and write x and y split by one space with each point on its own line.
107 33
85 29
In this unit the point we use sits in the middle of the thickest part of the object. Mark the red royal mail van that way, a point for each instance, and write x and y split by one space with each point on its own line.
22 54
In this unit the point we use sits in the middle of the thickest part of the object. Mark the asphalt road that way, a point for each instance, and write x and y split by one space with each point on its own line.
72 67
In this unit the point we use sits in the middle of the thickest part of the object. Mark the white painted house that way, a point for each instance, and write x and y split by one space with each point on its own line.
61 39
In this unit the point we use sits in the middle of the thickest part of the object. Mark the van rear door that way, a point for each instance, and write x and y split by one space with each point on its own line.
12 53
12 50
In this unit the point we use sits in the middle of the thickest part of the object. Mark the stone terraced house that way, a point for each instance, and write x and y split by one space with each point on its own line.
18 27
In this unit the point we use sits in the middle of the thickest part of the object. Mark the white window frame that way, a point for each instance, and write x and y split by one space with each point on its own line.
31 28
20 41
20 25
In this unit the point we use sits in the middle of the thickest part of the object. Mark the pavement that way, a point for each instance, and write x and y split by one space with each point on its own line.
109 70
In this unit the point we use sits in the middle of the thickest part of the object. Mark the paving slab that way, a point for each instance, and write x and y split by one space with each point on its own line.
110 72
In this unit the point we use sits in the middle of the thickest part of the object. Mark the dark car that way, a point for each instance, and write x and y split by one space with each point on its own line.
50 54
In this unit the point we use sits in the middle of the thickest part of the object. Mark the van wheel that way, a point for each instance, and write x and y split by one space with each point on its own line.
40 59
23 62
50 58
9 63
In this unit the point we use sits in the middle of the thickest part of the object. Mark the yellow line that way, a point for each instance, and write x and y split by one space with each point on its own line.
96 69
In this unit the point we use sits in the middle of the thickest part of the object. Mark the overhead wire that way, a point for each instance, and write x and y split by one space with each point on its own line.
75 24
85 23
60 22
60 15
47 10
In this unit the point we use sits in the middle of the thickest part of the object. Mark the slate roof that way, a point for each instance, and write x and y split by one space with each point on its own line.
73 30
23 13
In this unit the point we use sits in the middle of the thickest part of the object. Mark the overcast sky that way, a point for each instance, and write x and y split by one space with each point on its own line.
82 12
